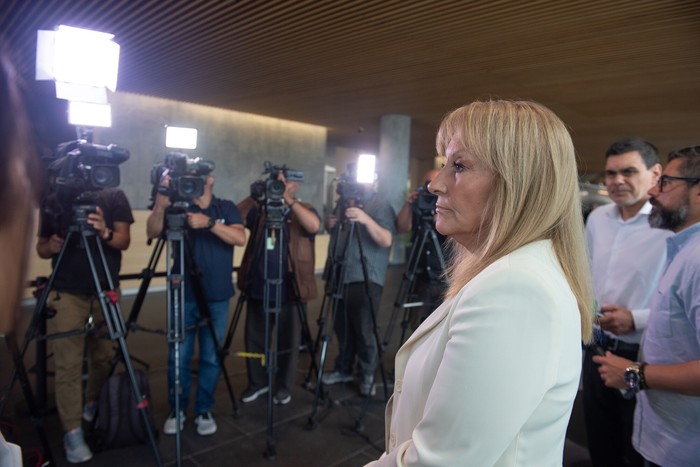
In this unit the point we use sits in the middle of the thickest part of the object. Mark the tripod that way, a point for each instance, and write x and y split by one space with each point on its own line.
108 302
346 232
21 373
271 248
424 244
178 247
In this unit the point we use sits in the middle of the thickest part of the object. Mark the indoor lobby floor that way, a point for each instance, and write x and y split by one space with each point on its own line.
348 432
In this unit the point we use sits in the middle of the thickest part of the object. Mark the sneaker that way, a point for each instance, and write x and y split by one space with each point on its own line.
252 393
336 376
89 411
205 424
367 387
283 397
76 449
170 426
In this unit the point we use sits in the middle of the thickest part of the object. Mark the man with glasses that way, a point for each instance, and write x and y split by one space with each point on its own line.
666 379
626 258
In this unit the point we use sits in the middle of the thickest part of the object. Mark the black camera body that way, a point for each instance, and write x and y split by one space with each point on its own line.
81 166
188 176
351 192
424 205
269 192
76 173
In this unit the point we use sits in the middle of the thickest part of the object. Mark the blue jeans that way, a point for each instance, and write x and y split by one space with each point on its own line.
209 368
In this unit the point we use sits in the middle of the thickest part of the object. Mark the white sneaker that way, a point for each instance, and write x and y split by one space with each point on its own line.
76 449
205 424
170 425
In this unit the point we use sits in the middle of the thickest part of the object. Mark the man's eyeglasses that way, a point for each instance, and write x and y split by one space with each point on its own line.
664 180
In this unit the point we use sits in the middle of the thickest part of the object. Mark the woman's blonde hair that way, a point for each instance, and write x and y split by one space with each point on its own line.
535 196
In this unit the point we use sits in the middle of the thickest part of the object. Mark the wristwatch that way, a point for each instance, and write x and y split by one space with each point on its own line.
110 235
634 378
211 223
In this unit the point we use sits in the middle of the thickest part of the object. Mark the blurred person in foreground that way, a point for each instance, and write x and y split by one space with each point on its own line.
666 378
18 198
490 377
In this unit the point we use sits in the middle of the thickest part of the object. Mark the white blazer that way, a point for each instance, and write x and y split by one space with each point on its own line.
490 377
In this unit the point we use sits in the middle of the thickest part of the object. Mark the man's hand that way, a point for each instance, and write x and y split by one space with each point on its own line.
612 369
331 221
97 221
616 319
358 215
197 220
55 244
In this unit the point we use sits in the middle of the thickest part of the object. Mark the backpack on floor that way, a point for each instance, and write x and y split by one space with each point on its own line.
118 421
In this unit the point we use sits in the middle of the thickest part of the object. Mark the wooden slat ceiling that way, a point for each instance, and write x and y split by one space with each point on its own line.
609 68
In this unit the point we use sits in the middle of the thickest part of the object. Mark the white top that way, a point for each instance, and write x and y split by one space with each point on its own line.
627 258
490 377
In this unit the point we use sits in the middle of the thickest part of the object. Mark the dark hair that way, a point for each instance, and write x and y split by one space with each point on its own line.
690 166
649 153
16 145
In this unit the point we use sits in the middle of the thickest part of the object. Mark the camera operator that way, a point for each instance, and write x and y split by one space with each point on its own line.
354 324
215 226
77 307
302 223
429 284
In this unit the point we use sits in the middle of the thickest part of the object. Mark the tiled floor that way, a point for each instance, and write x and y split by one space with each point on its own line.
349 429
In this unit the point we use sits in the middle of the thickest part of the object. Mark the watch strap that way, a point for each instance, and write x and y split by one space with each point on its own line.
211 223
642 378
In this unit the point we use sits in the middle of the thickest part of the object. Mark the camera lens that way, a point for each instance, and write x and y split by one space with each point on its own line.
189 187
104 176
275 189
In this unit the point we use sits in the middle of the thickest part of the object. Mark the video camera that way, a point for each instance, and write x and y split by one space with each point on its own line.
270 190
80 166
188 176
424 205
351 192
76 172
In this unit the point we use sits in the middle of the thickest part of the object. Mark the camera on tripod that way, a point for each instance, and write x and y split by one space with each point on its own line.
351 192
76 172
424 205
188 176
268 192
81 166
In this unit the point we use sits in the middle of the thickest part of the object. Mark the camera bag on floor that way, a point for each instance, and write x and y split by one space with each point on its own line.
118 421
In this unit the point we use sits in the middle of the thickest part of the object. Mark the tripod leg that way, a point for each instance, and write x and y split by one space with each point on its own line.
117 330
29 397
205 312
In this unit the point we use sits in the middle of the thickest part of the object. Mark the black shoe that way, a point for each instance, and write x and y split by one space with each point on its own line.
252 393
283 397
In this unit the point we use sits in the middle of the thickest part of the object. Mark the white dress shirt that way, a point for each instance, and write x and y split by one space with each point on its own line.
627 257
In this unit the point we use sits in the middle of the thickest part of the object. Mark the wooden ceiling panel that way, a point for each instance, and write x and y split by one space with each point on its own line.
608 68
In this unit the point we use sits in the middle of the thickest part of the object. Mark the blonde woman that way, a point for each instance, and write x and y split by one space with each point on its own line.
489 378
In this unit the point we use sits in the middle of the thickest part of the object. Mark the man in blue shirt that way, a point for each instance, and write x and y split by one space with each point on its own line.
666 379
214 227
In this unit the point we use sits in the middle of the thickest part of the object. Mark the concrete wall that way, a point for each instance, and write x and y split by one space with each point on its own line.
237 142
